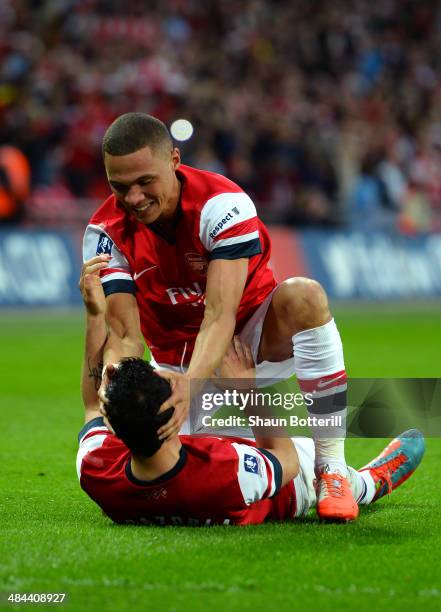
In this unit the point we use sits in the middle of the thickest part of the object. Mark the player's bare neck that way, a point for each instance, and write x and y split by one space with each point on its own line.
172 213
166 229
163 461
167 223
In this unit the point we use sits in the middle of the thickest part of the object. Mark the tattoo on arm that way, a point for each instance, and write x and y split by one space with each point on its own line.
95 373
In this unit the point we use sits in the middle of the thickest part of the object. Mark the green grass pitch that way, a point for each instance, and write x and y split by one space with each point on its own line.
54 539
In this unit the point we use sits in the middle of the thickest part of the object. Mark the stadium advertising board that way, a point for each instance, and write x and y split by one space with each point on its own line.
353 265
41 268
38 268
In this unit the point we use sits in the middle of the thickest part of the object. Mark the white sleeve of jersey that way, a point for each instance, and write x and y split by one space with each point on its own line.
92 436
229 222
117 277
259 473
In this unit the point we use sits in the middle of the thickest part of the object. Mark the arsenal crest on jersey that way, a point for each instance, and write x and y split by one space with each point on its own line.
197 263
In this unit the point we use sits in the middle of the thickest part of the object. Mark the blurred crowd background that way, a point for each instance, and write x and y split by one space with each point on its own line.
327 112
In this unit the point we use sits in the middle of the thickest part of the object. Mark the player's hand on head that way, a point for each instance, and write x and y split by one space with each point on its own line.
179 399
90 284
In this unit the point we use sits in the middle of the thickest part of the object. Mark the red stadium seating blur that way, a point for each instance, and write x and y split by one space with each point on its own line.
327 113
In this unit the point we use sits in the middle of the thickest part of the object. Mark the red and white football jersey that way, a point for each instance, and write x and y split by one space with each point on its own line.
217 221
216 481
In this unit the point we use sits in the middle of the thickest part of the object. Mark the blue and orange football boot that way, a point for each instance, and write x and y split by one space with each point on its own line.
396 463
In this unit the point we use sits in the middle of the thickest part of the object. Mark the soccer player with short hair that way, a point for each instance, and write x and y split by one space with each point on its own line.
136 477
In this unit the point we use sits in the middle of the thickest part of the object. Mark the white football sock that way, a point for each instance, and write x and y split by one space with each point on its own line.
362 485
330 455
320 370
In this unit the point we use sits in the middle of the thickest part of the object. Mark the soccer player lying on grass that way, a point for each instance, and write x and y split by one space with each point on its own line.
136 477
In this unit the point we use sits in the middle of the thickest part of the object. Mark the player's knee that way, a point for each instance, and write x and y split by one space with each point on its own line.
303 303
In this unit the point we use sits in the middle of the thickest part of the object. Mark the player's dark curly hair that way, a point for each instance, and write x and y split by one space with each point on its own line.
134 131
135 393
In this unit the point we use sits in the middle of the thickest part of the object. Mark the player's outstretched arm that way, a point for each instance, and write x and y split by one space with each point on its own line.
225 284
238 365
95 333
125 338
